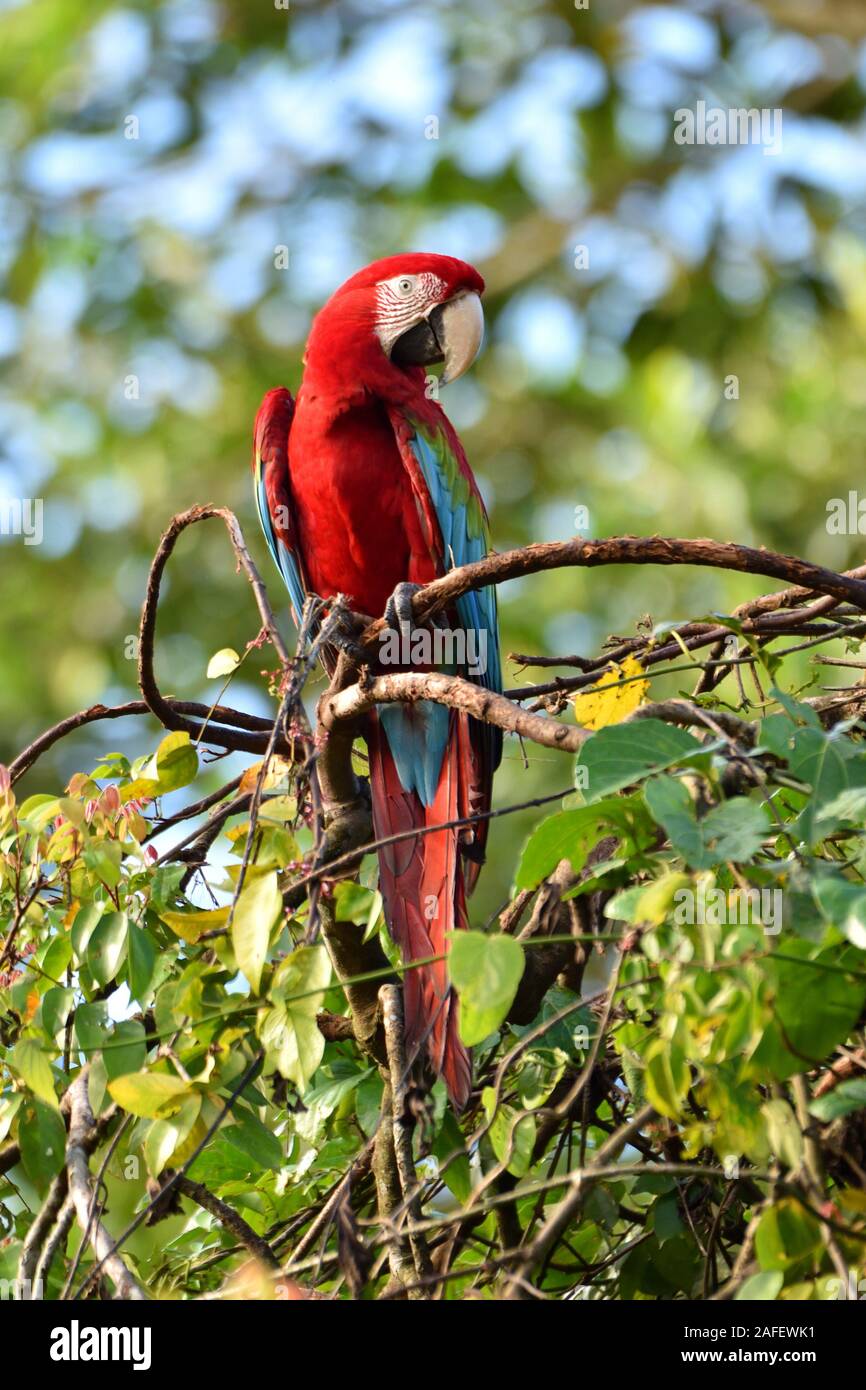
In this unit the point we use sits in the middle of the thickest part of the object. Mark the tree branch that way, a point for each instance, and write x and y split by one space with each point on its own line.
230 1219
81 1127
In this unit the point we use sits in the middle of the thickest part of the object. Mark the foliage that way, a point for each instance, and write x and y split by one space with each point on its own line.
734 940
182 184
306 128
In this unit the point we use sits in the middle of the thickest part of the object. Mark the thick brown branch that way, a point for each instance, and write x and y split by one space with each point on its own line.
410 686
636 550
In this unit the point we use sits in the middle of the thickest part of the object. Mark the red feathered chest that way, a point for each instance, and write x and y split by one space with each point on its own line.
357 515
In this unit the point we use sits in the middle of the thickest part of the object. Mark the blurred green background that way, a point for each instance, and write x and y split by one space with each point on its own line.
160 165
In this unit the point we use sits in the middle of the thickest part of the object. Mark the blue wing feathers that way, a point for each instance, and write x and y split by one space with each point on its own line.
418 736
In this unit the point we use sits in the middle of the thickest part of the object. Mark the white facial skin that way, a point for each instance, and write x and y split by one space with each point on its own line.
403 300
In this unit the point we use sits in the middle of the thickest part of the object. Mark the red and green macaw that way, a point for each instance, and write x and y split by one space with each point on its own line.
363 489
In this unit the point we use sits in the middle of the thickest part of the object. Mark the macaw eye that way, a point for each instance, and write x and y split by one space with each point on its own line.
405 286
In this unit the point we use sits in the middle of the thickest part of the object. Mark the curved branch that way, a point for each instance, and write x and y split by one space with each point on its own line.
170 713
94 713
408 687
40 745
634 550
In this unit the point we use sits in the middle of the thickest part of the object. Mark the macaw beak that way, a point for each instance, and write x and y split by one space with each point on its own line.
451 333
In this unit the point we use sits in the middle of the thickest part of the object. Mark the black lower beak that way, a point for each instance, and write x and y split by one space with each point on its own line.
420 346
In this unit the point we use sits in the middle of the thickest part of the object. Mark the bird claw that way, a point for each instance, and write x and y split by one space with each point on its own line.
344 638
398 609
352 649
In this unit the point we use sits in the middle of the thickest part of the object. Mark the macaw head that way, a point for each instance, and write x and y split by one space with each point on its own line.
407 311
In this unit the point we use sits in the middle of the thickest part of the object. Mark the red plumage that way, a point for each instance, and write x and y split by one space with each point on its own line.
360 521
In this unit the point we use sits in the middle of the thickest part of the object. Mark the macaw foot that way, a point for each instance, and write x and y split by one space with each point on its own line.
345 638
398 609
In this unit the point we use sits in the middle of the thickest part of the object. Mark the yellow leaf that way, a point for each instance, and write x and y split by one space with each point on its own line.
222 663
141 789
152 1095
278 771
190 925
614 695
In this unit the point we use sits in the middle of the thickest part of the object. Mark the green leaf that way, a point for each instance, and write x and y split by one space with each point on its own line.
222 663
848 807
34 1068
289 1031
176 762
733 830
125 1050
355 903
736 828
38 809
457 1176
777 735
650 902
666 1220
103 859
336 1086
567 835
512 1133
538 1072
221 1163
55 956
97 1080
842 1100
83 928
486 971
813 1009
368 1104
153 1095
784 1133
56 1007
843 904
760 1288
671 806
92 1026
8 1110
165 1136
141 963
787 1234
257 911
42 1137
165 885
798 712
107 947
830 764
255 1140
667 1077
617 756
295 1046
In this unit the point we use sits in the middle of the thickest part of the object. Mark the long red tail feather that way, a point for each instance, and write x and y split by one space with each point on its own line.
424 894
